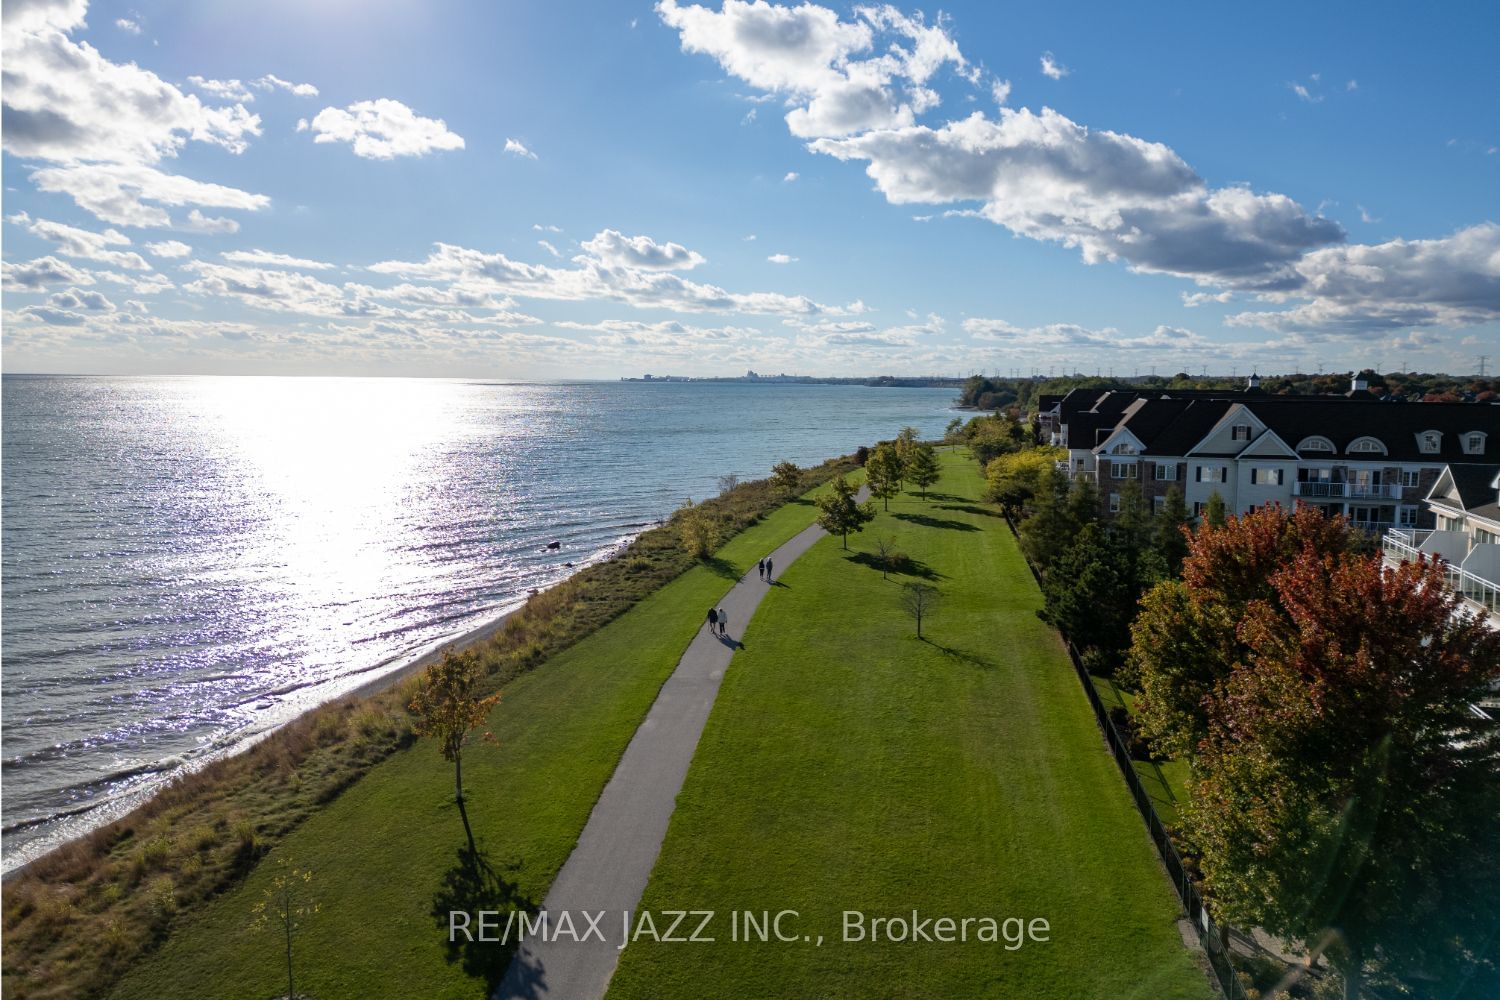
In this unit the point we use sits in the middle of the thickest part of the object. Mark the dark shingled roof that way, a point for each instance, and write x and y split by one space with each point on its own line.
1475 492
1396 426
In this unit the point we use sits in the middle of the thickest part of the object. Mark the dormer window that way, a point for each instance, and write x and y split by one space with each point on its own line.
1123 448
1315 443
1366 446
1239 432
1474 442
1430 442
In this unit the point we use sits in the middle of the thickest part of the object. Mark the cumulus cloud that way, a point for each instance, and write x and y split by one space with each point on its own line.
1054 336
1451 281
1112 196
44 272
829 71
200 223
224 90
133 194
73 298
381 130
781 258
1051 68
271 82
1000 91
593 278
615 249
791 175
128 26
266 258
169 249
545 245
74 242
516 148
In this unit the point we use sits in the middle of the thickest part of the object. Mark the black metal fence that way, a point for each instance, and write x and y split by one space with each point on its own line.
1213 938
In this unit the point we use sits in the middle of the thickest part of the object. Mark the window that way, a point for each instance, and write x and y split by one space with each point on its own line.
1430 442
1474 443
1266 477
1166 471
1114 503
1198 507
1239 432
1124 470
1211 474
1316 443
1483 537
1367 446
1410 477
1158 504
1408 517
1123 448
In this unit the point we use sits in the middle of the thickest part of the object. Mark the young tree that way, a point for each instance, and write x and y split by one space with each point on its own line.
919 600
883 472
1345 792
448 709
1051 525
923 468
284 905
698 532
885 547
906 443
728 482
953 433
786 480
839 513
1215 513
1012 480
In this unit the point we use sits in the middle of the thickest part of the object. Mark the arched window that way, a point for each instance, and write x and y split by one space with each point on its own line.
1430 442
1366 446
1474 442
1316 443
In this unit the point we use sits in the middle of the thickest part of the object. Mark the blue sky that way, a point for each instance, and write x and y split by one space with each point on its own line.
567 189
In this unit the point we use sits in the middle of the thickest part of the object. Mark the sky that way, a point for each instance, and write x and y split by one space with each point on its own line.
562 189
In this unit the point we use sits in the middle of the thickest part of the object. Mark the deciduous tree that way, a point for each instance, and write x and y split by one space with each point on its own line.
786 480
922 469
448 708
284 904
698 531
919 600
883 471
839 513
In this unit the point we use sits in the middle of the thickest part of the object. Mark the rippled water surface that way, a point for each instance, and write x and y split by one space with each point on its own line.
188 561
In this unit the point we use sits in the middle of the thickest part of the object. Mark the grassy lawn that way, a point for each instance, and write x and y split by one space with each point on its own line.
848 765
1165 781
385 853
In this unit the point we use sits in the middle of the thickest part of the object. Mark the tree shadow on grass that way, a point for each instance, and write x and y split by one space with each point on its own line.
951 498
722 567
910 567
928 521
969 509
471 886
962 655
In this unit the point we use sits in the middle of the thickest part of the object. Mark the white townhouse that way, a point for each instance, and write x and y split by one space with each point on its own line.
1465 504
1371 461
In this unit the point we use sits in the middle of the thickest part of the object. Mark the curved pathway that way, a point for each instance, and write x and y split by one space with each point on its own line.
608 869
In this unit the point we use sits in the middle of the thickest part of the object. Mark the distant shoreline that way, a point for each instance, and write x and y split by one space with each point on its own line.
876 382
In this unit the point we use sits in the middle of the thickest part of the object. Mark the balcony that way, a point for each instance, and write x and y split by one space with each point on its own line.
1472 571
1327 489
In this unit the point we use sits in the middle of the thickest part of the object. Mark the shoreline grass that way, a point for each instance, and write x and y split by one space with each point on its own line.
77 919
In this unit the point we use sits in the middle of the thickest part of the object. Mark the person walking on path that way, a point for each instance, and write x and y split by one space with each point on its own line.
768 571
723 621
762 569
713 619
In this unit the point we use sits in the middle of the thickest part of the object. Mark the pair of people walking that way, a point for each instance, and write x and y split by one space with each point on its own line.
718 620
765 570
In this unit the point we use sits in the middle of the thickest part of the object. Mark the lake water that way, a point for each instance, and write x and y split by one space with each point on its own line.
190 561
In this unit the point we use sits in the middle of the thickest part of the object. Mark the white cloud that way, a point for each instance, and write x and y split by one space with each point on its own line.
41 273
120 192
266 258
791 175
1194 299
1303 92
272 82
594 279
781 258
381 130
614 249
1112 196
74 242
1051 68
516 148
538 227
549 248
1351 86
169 249
73 298
808 55
749 239
1000 91
128 26
200 223
1365 216
224 90
1452 281
1057 336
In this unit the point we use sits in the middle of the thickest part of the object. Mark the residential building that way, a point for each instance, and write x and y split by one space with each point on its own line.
1465 509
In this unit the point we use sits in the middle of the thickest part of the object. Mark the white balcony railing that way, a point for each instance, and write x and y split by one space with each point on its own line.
1403 545
1347 491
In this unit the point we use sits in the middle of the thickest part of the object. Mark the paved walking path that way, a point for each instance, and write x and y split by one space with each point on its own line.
608 869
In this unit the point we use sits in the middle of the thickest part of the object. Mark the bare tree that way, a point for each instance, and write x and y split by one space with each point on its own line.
885 547
728 482
920 600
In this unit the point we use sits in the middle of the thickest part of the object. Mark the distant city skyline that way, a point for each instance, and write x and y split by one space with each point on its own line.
599 190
